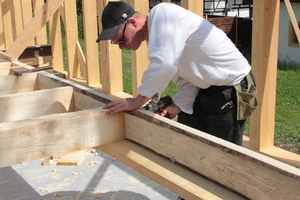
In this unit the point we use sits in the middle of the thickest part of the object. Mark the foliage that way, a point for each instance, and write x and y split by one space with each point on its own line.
287 128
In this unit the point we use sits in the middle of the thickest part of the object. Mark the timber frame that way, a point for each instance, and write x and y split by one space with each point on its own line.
140 139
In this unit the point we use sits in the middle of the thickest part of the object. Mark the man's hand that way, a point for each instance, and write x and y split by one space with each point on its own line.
126 104
172 110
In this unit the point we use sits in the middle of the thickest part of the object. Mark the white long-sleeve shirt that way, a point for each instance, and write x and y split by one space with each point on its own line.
192 52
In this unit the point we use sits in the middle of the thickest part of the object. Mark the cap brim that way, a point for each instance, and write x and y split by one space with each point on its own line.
108 33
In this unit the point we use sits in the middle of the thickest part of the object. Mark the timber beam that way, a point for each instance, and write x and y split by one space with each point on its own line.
242 170
201 167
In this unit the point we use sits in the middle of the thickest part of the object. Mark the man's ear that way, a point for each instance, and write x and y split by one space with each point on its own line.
132 21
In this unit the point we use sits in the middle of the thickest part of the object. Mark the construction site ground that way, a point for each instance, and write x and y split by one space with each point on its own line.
99 176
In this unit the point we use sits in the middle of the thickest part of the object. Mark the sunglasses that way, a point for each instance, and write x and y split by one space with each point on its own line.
121 41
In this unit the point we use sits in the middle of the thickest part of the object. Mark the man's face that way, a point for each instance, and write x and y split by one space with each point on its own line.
128 36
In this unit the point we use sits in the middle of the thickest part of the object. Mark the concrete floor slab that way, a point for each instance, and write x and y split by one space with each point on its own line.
107 176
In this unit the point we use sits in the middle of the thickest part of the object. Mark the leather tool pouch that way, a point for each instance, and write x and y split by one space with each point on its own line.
246 99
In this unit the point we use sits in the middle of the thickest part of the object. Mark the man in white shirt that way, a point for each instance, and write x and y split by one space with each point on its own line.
192 52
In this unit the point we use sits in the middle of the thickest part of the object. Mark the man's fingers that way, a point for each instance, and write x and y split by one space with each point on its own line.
163 113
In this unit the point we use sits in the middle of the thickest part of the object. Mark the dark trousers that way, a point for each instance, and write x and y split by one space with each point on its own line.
215 112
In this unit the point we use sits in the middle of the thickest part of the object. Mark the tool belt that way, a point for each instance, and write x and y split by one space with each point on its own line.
246 99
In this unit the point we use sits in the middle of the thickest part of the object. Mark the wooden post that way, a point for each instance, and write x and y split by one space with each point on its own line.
264 64
34 26
27 15
293 19
91 47
7 25
111 61
71 30
56 41
2 44
17 17
139 58
41 37
193 5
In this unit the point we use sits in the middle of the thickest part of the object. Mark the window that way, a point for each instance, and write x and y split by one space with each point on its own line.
293 40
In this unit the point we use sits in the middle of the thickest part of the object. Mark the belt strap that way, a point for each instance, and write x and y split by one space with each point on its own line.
249 81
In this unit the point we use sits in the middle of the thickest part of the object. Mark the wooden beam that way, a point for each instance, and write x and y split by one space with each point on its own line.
139 57
41 37
293 19
6 7
176 178
264 65
89 9
193 6
47 81
33 28
277 153
57 134
8 57
27 105
4 66
15 84
17 17
56 42
111 61
81 59
71 32
243 171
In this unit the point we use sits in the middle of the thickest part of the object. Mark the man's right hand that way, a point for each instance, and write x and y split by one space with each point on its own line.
172 110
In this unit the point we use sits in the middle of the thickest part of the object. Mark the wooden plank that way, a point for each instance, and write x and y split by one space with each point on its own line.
34 26
244 171
71 32
41 37
193 6
73 159
293 18
27 105
264 66
6 7
84 102
139 59
57 134
17 17
4 66
27 16
47 81
283 155
8 57
277 153
56 42
2 41
81 59
111 61
89 9
15 84
174 177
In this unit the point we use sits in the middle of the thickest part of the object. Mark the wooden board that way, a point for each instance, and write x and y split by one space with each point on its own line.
73 159
57 134
235 167
23 40
18 84
174 177
37 103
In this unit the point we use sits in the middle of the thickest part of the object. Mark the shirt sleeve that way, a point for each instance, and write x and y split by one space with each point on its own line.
186 96
166 42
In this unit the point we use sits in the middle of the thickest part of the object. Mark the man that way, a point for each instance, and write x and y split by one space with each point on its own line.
192 52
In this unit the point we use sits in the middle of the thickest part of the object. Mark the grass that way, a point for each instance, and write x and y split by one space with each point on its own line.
287 126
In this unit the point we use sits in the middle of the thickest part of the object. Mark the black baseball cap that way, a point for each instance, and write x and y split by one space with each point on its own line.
113 16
